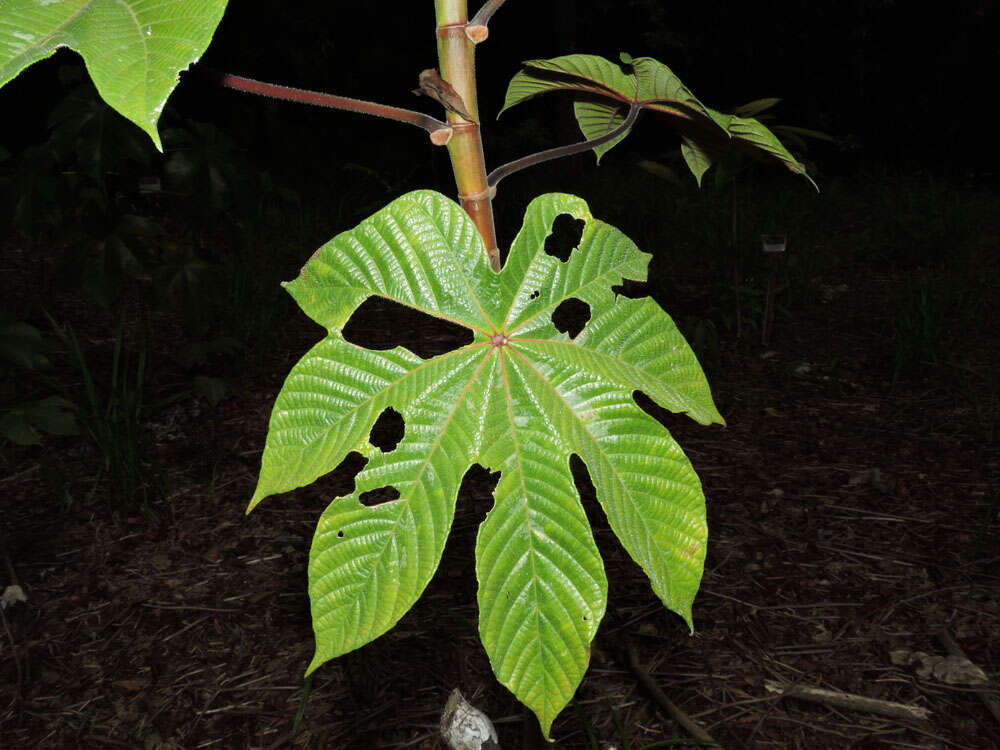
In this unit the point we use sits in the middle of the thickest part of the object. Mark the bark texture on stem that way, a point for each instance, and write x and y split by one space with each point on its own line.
456 56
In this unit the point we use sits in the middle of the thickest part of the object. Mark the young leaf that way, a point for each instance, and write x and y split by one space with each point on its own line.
756 107
570 73
604 93
521 399
133 49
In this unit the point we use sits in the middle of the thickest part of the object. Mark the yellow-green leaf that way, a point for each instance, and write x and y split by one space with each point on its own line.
520 400
133 49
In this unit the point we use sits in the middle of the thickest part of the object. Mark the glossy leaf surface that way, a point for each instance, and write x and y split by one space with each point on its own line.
604 91
134 49
520 400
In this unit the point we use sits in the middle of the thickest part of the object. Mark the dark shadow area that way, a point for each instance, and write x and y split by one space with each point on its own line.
379 496
667 418
340 481
565 237
571 316
388 430
632 289
588 494
381 324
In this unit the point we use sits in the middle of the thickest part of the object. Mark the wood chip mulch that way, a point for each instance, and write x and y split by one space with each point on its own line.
845 515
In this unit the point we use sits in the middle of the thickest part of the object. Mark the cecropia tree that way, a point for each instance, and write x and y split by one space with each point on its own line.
521 399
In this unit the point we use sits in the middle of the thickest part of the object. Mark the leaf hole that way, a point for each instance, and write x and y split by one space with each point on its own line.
631 289
340 534
665 417
340 481
381 324
388 430
534 294
381 496
571 316
565 237
588 494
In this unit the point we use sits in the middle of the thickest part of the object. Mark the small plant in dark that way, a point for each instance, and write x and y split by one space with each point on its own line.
522 398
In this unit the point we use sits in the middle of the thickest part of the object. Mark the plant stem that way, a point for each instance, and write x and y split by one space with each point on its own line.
524 162
440 132
477 29
456 58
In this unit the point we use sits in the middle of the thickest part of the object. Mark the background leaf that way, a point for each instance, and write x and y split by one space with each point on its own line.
604 92
133 49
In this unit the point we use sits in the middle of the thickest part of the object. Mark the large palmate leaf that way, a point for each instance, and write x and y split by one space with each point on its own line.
133 49
521 399
604 91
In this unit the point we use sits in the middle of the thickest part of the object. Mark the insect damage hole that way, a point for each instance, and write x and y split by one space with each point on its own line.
665 417
571 316
381 324
631 289
388 430
565 237
381 496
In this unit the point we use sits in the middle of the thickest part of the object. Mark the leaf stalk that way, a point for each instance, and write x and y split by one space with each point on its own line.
477 30
440 132
524 162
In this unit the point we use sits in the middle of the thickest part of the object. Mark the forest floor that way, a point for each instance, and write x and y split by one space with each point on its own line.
846 519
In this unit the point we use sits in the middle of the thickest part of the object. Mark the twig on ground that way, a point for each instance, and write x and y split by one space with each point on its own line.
848 700
665 703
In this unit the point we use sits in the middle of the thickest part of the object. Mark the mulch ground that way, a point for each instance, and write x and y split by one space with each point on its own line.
844 517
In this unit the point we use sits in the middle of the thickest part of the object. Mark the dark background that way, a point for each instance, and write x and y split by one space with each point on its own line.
852 498
895 81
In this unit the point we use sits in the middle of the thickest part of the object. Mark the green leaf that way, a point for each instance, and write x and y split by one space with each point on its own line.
590 73
747 131
595 118
698 160
520 400
133 49
101 139
757 106
604 94
23 423
818 135
23 346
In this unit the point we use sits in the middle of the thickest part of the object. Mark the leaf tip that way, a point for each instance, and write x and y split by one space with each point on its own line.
258 495
316 663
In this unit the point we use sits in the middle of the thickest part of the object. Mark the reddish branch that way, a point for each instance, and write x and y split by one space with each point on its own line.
476 29
557 153
440 132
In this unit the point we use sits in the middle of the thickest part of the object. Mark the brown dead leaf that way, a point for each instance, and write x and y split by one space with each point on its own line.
438 89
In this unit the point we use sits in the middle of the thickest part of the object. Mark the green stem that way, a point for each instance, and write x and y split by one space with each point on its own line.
456 58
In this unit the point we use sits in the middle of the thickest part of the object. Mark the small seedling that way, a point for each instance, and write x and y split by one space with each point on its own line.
520 399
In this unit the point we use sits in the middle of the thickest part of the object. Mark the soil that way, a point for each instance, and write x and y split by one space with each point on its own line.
846 518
